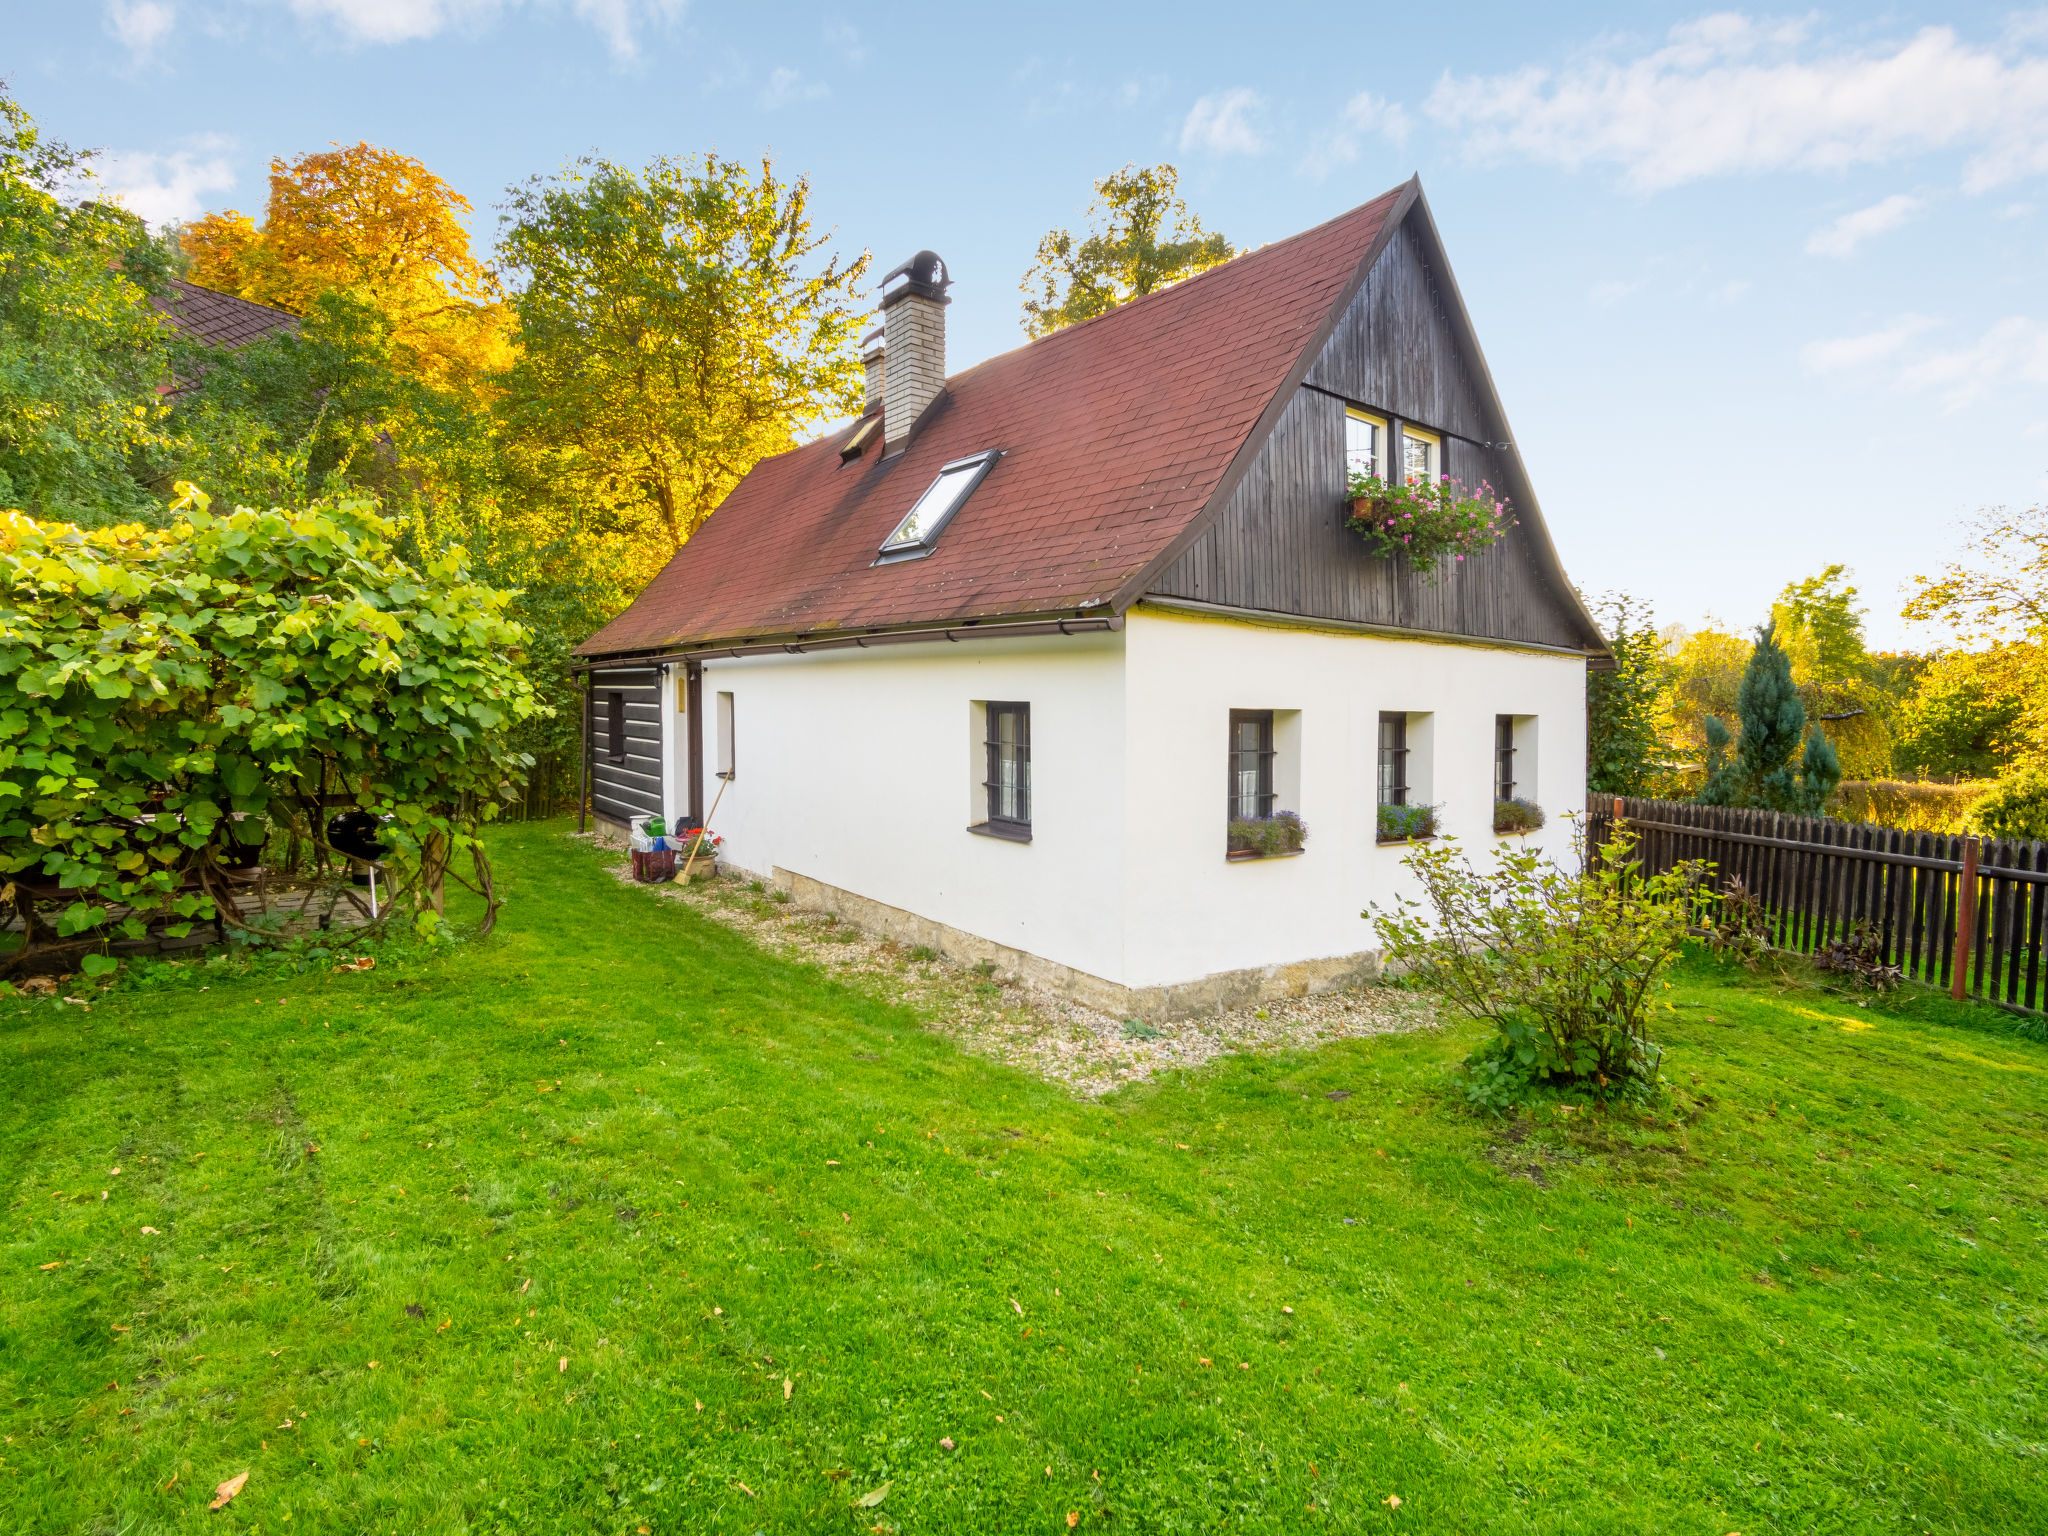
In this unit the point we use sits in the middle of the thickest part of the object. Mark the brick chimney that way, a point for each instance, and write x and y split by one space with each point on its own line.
872 354
914 333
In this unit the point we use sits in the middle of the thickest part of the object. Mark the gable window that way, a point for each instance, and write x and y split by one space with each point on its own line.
922 525
1008 785
615 726
1503 757
1251 764
1393 758
1365 443
1421 455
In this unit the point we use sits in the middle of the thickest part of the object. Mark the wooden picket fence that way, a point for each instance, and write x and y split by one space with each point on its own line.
1953 911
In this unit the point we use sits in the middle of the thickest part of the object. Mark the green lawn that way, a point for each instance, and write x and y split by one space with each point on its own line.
763 1243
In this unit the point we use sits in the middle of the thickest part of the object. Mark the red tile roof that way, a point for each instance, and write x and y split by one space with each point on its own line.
1116 434
219 319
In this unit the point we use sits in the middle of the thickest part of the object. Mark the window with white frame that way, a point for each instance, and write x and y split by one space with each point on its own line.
1365 443
726 764
1421 455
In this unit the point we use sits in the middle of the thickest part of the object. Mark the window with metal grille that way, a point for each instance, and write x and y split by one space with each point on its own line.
1009 767
1251 763
1503 757
1393 758
615 726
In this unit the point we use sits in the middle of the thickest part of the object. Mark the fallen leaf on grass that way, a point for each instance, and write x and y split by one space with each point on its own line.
228 1490
562 1364
946 1444
873 1496
446 1324
151 1232
1073 1518
120 1327
743 1488
788 1387
1392 1501
1013 1303
1205 1360
53 1264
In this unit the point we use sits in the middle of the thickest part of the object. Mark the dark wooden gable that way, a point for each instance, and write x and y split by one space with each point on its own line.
1401 348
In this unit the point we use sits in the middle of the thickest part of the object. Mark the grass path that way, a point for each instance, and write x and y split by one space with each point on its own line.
614 1222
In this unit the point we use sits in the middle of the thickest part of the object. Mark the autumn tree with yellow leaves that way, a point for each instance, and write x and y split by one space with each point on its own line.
378 225
677 325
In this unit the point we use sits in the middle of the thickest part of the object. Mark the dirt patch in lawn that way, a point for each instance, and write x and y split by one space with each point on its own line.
1091 1053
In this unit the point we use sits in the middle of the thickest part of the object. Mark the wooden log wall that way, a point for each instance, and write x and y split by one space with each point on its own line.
1820 880
622 790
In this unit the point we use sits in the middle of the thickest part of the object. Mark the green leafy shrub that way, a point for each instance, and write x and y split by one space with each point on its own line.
1399 823
1564 966
1517 815
2015 806
1426 522
1268 836
157 683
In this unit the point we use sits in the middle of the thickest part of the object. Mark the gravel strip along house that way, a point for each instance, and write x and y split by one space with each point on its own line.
1038 663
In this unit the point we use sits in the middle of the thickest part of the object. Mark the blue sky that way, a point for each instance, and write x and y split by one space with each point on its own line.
1761 290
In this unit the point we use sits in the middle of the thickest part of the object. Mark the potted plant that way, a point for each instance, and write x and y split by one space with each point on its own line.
1266 837
697 851
1511 817
1429 523
1407 823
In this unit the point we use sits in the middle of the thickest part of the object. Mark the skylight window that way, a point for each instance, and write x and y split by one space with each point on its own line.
918 531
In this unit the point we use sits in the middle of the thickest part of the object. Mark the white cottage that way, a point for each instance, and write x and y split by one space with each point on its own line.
994 668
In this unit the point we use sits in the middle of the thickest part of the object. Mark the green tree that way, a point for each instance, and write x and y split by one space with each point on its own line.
1966 717
676 326
1778 765
81 351
1996 600
1141 238
1625 707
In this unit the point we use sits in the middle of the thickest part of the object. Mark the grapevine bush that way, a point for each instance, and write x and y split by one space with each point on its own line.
157 685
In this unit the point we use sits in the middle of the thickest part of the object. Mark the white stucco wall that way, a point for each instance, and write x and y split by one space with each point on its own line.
858 768
1188 912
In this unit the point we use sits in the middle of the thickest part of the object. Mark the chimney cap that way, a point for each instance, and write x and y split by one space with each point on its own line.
924 275
873 341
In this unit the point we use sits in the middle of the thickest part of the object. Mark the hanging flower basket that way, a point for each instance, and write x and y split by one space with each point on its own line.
1433 525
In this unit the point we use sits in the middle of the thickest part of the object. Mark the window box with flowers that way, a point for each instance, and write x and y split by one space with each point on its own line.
1408 823
1511 818
1435 524
1266 837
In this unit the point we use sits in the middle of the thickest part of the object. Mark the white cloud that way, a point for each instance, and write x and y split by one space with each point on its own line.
786 85
1728 95
618 22
1861 351
1225 122
163 188
2012 349
845 39
2011 352
1849 231
139 25
1363 115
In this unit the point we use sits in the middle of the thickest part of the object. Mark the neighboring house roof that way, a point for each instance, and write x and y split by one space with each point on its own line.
1121 438
219 319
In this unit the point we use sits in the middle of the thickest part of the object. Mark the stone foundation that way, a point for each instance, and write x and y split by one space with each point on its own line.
1180 1000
